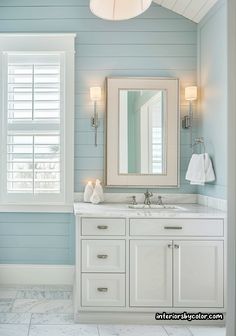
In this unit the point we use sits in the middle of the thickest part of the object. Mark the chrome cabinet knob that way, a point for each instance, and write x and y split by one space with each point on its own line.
173 227
102 227
102 289
102 256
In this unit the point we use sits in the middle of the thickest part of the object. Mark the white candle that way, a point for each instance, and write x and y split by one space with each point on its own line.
88 191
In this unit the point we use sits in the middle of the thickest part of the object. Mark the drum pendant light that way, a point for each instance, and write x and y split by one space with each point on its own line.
118 9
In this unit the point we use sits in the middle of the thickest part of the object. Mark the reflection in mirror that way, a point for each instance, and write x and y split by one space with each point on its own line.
142 138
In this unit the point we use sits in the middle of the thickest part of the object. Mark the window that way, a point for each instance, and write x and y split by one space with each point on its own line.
37 162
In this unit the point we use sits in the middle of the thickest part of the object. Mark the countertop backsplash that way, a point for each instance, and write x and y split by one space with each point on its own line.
167 199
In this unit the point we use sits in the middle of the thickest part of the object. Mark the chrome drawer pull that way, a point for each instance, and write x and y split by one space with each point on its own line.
173 228
102 227
102 289
176 246
102 256
170 246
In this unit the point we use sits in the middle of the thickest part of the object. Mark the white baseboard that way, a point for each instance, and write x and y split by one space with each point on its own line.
36 274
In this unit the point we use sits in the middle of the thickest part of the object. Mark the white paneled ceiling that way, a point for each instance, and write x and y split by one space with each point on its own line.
194 10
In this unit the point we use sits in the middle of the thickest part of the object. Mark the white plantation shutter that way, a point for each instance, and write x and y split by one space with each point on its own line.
37 120
34 108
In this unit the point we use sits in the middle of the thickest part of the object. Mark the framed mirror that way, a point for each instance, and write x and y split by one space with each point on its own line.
142 132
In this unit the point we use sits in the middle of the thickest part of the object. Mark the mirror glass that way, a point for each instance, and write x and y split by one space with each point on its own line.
142 133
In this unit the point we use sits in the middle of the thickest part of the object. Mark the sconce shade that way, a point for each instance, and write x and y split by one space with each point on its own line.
191 93
95 93
118 9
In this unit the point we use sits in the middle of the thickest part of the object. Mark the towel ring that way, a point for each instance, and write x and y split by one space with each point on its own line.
199 141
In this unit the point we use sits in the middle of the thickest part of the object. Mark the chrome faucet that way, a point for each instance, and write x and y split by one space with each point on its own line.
147 199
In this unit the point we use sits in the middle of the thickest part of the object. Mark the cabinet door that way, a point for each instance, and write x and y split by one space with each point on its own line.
198 274
150 273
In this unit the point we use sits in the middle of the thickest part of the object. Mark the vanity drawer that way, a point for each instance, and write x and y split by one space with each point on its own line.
103 290
176 227
103 226
103 255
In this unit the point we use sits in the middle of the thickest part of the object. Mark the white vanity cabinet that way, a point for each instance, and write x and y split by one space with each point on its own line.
198 276
192 265
196 279
150 273
100 263
128 268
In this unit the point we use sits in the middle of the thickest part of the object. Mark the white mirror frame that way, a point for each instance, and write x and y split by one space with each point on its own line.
171 177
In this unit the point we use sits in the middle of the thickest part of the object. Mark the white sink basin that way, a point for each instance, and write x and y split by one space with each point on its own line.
156 207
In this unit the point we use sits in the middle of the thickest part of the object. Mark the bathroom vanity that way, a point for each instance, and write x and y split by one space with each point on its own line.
131 263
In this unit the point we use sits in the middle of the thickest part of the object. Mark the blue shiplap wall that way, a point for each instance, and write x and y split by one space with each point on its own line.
213 83
37 238
158 43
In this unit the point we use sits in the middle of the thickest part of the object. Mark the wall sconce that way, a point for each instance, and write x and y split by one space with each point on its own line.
187 123
95 95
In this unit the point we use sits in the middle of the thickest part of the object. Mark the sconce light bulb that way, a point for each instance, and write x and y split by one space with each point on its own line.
95 93
191 93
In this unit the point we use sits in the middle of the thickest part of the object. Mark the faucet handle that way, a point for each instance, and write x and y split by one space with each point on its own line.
134 202
159 200
133 198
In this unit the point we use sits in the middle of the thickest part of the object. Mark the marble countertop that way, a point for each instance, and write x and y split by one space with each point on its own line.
122 210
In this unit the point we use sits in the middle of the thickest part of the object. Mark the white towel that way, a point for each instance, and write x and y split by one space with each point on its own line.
209 171
200 169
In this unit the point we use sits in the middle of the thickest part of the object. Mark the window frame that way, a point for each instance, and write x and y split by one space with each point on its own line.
62 44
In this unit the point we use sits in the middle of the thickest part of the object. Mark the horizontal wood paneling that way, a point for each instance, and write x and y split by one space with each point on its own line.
143 63
38 242
126 50
37 238
83 151
34 256
157 43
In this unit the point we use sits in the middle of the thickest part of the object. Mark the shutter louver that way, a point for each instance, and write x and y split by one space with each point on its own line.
33 124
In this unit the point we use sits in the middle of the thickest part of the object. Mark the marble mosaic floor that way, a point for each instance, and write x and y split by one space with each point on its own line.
47 311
